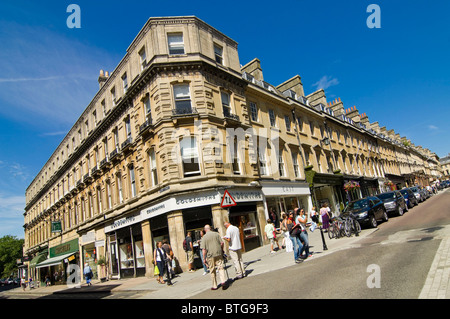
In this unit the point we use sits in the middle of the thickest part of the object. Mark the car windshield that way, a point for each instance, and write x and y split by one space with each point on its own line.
404 192
414 189
357 205
385 196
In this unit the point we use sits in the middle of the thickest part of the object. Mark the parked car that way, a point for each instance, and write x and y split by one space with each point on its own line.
394 202
416 192
408 195
423 194
367 211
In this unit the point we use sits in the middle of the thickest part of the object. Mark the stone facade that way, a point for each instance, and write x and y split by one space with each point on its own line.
177 123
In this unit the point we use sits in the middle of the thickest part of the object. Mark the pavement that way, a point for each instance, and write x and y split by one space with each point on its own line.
257 261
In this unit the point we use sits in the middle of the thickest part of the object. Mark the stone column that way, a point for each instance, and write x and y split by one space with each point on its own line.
175 223
219 216
261 215
147 240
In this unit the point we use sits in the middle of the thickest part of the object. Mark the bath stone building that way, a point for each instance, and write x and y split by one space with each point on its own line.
174 126
138 167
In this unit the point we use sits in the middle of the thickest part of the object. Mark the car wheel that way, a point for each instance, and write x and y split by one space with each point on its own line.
400 211
373 222
385 216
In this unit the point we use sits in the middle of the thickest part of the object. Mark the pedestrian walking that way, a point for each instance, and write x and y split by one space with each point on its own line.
205 268
160 257
47 280
23 282
87 271
325 217
314 215
233 237
271 235
212 250
287 242
294 230
189 251
302 218
170 261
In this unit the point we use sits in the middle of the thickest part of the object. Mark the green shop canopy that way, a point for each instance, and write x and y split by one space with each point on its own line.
54 261
38 259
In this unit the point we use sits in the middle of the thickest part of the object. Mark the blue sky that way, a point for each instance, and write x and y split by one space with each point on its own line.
398 75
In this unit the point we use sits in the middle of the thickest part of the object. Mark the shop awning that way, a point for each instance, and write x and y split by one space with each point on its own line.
38 259
54 261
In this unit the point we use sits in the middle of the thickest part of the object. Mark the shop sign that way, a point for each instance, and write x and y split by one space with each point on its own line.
70 246
123 222
246 196
285 189
56 226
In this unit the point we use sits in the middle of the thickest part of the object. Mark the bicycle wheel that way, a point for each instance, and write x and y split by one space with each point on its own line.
348 227
357 227
331 231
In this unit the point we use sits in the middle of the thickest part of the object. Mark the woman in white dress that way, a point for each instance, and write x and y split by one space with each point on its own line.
286 237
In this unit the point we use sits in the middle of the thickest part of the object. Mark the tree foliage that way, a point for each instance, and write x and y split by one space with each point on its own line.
10 251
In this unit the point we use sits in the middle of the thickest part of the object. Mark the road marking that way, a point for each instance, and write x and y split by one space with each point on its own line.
437 284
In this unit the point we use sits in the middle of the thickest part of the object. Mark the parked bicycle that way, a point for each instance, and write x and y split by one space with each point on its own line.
343 226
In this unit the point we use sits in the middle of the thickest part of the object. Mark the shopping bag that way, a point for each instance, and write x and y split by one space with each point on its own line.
313 226
156 273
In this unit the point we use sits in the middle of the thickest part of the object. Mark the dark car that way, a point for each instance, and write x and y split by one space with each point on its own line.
423 194
408 195
394 202
416 192
367 210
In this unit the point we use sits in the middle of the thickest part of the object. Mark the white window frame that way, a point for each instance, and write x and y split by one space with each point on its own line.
143 58
180 97
253 111
218 54
287 121
272 118
132 181
153 167
175 47
194 158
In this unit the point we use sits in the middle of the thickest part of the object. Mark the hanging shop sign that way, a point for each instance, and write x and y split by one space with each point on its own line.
56 226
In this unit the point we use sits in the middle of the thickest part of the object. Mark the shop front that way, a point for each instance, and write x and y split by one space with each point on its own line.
395 181
285 196
125 247
170 219
55 267
326 189
369 186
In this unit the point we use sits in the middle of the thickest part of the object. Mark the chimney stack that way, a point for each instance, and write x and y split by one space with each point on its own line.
102 78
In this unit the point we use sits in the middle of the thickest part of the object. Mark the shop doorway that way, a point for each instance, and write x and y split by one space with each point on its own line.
244 217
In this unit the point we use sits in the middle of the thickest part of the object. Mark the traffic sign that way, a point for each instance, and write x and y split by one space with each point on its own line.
227 200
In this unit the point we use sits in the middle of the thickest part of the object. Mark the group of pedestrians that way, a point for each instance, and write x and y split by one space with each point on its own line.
294 231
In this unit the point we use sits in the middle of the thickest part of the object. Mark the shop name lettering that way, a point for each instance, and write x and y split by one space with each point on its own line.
123 222
245 195
195 199
154 209
62 249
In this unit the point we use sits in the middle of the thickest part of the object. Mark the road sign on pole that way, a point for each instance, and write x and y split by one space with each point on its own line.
227 200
